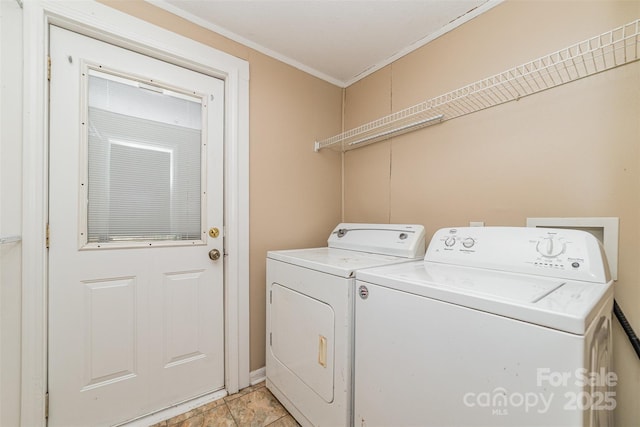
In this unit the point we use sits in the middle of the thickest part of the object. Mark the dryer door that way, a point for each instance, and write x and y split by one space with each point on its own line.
302 338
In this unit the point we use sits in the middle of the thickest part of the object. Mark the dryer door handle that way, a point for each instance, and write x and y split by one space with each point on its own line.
322 351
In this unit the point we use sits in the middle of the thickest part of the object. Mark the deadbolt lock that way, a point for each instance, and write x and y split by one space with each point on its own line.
214 232
214 254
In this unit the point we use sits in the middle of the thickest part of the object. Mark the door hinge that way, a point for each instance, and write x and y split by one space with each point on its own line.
46 405
47 237
270 339
49 68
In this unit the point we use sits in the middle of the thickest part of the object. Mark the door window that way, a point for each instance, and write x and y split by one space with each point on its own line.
144 169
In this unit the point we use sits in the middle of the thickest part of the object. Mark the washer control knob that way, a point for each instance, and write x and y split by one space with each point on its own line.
550 247
468 242
450 241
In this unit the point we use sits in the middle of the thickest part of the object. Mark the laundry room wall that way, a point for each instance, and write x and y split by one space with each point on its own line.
10 209
572 151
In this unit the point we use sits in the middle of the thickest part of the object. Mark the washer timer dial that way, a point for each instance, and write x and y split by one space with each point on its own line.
550 247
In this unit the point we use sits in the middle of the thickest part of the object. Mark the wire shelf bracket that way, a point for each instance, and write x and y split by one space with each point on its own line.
592 56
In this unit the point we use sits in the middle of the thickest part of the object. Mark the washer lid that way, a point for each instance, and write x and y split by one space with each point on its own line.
338 262
553 302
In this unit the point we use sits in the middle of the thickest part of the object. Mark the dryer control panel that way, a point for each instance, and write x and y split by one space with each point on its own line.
402 240
561 253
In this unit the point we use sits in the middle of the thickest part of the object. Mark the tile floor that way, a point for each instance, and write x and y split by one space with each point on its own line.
253 406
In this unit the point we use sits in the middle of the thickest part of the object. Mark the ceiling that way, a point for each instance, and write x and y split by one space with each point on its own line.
340 41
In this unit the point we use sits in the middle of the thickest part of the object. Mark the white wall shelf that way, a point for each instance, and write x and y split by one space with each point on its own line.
601 53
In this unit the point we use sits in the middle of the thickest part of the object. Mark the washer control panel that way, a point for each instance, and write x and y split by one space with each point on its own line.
570 254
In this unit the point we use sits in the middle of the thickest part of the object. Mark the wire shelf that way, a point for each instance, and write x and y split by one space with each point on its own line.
592 56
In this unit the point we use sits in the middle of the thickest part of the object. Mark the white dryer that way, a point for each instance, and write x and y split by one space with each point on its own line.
498 326
310 295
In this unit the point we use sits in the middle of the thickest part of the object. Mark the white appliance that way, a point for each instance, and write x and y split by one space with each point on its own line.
310 294
498 326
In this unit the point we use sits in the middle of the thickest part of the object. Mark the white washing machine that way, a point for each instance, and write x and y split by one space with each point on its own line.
496 327
310 294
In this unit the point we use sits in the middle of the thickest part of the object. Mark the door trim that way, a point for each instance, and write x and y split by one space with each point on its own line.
104 23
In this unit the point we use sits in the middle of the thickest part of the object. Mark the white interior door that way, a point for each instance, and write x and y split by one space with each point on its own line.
135 184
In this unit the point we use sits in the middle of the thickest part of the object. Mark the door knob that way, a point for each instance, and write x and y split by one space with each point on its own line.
214 254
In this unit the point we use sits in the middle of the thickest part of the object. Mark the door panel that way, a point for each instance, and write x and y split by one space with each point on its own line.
109 341
183 317
135 303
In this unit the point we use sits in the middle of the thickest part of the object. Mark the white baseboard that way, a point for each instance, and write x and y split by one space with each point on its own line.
257 376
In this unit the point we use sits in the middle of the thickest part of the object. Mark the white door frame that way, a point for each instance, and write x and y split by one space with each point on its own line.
107 24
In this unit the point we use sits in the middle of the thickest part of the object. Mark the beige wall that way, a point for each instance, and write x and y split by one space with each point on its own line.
295 197
294 192
570 151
